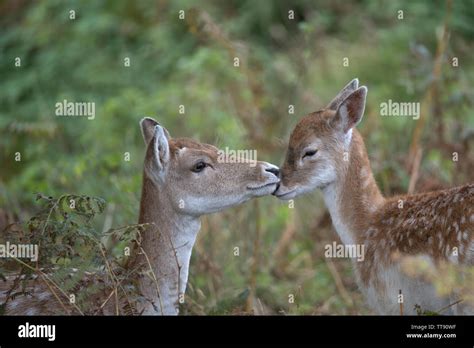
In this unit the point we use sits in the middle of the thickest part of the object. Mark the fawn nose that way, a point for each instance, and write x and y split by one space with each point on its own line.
274 170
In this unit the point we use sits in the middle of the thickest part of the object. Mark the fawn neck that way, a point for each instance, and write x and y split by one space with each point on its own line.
167 246
354 197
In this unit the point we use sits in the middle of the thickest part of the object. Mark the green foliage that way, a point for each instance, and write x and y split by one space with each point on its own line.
75 251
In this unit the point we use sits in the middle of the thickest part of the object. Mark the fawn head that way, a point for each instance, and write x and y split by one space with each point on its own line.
194 178
319 144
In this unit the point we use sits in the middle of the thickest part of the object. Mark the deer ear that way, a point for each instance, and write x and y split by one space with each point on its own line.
147 125
343 94
161 149
351 110
156 138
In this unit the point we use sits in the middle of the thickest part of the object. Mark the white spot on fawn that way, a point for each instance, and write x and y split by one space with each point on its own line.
465 235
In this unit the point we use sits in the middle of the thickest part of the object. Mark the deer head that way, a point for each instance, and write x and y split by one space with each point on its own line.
194 178
319 144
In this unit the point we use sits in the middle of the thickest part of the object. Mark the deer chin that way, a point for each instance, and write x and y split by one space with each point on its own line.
199 206
263 189
284 193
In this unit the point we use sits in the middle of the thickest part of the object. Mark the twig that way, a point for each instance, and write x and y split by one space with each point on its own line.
153 278
177 263
117 283
106 300
45 277
338 281
415 171
50 212
284 241
432 89
401 302
116 302
450 305
111 294
256 253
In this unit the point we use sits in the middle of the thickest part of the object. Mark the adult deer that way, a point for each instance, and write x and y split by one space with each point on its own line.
182 180
326 151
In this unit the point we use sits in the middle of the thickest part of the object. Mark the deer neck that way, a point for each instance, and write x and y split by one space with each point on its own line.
354 197
167 247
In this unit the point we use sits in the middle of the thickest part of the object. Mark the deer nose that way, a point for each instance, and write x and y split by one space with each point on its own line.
274 170
276 189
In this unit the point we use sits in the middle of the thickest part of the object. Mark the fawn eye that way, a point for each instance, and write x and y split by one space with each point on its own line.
199 167
310 153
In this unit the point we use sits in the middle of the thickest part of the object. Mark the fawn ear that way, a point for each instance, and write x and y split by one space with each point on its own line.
343 94
161 149
147 126
351 110
158 150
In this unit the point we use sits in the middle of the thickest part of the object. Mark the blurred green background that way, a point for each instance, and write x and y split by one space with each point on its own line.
190 62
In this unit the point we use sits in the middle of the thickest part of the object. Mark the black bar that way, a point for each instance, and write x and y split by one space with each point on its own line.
244 329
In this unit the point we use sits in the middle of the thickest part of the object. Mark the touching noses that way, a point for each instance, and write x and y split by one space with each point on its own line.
274 170
270 168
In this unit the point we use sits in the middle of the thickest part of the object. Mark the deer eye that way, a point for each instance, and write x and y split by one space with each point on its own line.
199 167
310 153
